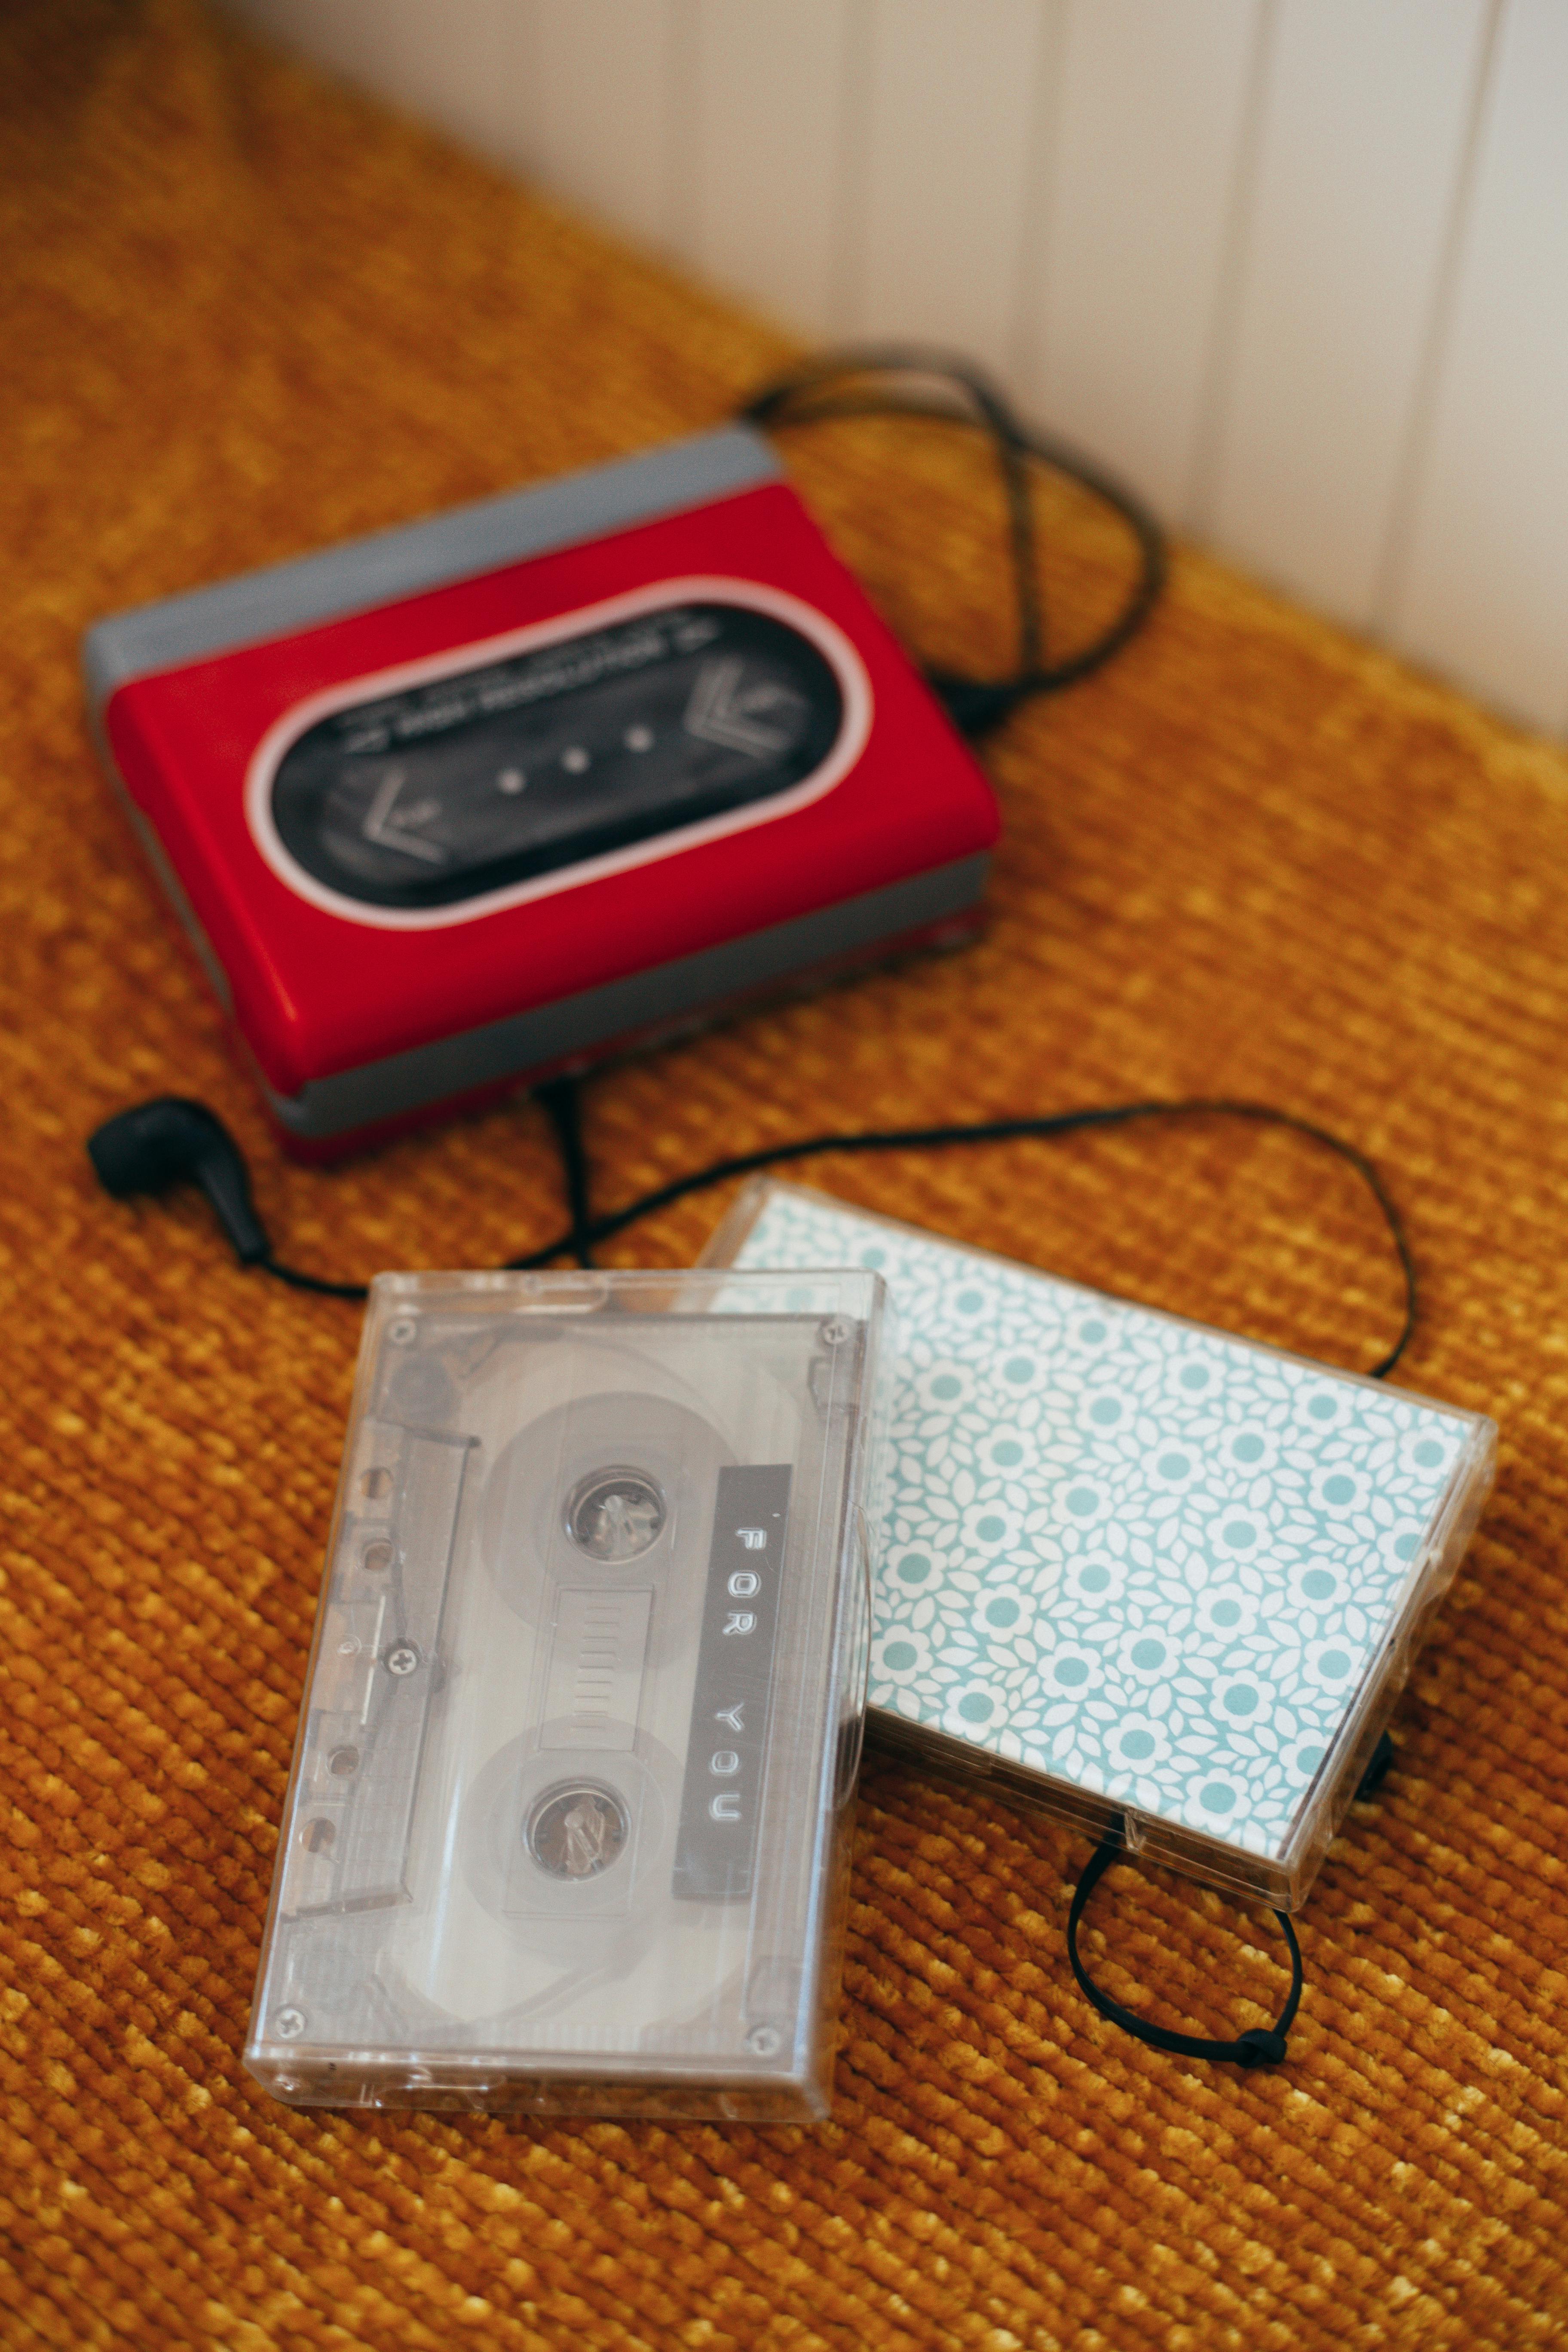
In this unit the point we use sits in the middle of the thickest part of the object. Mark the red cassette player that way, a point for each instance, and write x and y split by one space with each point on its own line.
466 803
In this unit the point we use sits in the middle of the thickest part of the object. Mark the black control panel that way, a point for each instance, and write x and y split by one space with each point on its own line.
488 777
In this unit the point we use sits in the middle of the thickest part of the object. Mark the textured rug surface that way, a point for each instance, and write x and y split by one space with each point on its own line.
246 314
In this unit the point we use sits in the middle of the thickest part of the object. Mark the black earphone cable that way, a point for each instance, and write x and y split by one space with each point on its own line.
318 1284
586 1233
1260 2045
562 1100
805 397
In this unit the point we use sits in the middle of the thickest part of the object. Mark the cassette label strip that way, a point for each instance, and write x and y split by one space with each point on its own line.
715 1854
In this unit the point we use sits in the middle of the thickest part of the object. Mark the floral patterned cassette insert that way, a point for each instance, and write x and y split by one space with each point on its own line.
1133 1567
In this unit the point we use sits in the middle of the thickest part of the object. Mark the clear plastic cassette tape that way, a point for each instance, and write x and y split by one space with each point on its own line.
567 1826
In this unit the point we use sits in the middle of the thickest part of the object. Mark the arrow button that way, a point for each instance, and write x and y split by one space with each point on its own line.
726 712
387 825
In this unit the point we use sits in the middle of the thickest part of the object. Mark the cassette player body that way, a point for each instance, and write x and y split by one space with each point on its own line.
568 1824
505 790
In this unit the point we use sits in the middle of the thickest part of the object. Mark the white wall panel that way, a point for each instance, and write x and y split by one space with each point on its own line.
600 124
1483 586
955 96
459 64
1150 118
770 164
1363 140
1298 268
356 36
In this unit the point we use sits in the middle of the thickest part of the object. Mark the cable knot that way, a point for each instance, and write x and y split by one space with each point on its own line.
1260 2046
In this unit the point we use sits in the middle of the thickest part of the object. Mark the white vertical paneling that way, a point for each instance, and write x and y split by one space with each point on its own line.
1482 590
953 97
465 64
1150 117
458 65
1363 140
1297 268
353 35
599 133
769 169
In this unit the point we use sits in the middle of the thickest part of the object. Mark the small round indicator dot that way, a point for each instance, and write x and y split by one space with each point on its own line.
575 760
511 780
638 739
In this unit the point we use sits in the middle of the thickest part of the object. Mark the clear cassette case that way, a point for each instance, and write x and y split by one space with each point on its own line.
567 1826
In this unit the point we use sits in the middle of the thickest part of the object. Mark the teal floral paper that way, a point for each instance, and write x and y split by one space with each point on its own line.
1148 1559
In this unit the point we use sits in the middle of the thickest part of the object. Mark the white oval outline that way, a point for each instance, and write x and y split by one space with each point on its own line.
749 595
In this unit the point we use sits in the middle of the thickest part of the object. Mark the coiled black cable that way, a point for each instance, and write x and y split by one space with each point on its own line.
586 1233
808 395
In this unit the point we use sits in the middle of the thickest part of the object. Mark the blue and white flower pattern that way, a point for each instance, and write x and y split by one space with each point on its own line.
1141 1557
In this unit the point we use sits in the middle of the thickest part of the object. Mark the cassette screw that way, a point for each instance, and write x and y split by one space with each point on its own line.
835 1331
288 2025
762 2040
402 1658
404 1332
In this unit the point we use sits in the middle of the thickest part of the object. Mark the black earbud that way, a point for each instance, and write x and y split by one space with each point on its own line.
171 1142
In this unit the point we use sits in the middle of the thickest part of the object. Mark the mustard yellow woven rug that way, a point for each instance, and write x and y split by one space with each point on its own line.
246 314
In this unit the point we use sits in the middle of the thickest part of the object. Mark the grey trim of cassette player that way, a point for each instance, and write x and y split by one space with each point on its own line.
365 572
653 999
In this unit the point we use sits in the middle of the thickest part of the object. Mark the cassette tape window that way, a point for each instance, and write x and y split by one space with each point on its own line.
566 1828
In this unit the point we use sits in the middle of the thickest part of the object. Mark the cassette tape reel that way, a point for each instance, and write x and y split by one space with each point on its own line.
566 1829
